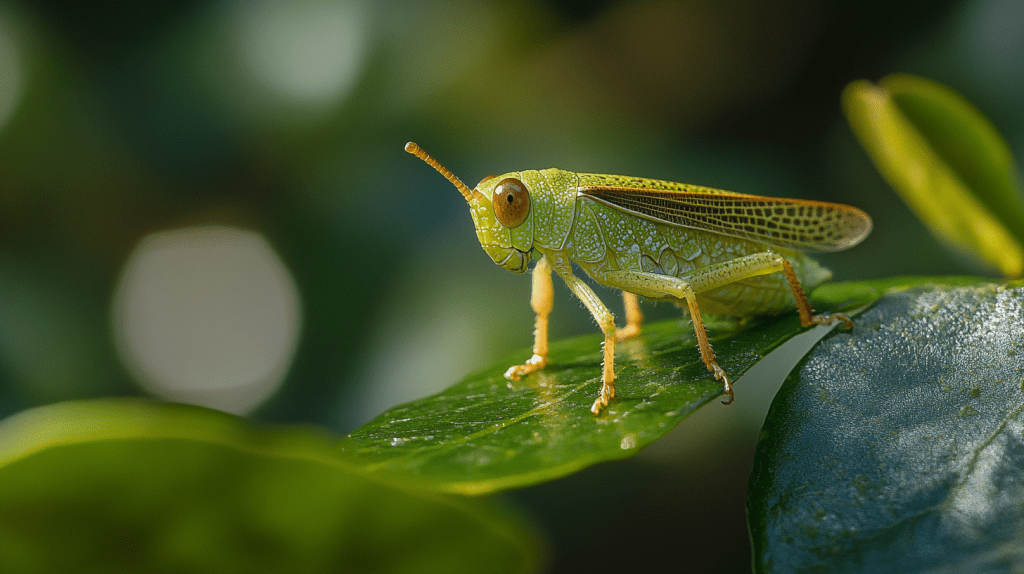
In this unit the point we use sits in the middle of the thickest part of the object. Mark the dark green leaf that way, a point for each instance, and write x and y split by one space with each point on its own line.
487 433
947 161
130 486
898 447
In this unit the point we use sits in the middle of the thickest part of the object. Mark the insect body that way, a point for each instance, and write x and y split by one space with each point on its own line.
726 253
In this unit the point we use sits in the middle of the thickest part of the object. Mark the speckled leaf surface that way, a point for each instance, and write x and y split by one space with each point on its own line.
899 447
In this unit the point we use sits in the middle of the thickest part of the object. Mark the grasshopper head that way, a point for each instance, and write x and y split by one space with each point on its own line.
500 206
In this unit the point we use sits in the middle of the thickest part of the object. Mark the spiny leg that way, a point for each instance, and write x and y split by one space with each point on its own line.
713 277
707 354
605 320
634 317
654 285
542 301
803 306
720 274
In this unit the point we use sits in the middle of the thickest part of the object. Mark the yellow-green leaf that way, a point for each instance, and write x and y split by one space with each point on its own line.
948 163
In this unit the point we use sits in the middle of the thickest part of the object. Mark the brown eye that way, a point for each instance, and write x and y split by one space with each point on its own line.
511 202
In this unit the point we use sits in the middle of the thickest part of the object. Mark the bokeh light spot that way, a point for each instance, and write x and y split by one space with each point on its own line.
308 51
207 315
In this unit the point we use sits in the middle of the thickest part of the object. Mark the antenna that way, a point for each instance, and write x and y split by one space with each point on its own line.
418 152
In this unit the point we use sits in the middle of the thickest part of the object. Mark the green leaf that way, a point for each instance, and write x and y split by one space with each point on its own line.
898 447
131 486
487 433
947 161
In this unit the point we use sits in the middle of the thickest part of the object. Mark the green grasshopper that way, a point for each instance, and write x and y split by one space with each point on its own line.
698 247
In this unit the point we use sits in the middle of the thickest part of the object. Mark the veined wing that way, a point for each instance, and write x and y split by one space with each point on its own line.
803 225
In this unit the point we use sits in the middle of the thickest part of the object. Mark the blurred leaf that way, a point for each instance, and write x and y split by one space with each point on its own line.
131 486
898 447
487 433
947 162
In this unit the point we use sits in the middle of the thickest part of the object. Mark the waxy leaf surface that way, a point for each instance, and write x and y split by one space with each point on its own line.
899 447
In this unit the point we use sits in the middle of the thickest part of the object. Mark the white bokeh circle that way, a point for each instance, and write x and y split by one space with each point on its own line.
207 315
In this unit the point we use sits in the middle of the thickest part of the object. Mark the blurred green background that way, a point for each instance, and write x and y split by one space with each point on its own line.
209 202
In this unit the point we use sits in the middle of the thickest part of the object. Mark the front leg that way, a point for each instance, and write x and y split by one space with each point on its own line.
542 300
606 321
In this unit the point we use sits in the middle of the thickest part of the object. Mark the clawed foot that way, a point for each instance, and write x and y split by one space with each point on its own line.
535 363
829 319
720 376
607 394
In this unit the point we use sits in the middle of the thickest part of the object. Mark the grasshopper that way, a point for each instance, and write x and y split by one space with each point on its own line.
729 254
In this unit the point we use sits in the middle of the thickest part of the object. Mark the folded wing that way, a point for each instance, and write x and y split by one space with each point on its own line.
798 224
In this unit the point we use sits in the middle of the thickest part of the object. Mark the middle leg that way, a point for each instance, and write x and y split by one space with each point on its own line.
713 277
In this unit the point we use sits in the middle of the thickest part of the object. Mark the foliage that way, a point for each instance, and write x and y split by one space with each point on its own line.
487 433
898 447
948 163
893 446
176 488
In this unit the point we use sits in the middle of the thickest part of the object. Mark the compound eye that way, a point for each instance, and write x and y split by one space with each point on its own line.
511 202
